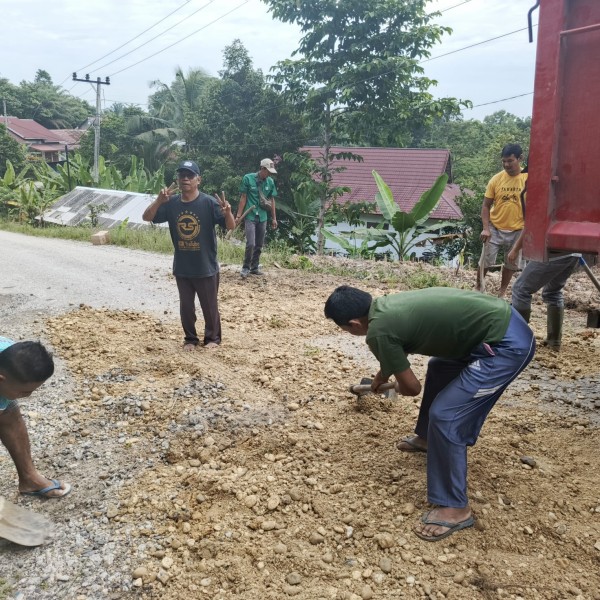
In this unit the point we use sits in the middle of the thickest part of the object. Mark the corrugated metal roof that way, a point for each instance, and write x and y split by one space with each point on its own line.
28 129
71 137
73 208
407 171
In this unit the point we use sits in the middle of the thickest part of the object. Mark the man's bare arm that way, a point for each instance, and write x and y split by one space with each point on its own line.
485 219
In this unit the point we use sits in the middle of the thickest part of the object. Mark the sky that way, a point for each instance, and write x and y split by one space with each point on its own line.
89 36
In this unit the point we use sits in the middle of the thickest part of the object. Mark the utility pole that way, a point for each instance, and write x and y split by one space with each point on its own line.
98 83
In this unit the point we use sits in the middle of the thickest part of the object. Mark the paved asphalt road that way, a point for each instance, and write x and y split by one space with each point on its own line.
52 275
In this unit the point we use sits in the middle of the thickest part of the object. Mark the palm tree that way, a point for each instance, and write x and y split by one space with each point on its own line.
171 104
156 134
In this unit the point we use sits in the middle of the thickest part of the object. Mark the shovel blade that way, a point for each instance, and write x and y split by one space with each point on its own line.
22 526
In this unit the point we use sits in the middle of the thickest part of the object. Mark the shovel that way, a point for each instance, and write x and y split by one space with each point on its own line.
364 387
240 220
22 526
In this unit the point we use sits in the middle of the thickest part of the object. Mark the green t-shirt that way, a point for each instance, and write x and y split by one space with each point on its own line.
250 186
442 322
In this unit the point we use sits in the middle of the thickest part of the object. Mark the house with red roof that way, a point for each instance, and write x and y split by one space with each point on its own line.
407 171
44 144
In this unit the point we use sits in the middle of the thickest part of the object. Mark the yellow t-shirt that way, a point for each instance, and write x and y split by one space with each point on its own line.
505 190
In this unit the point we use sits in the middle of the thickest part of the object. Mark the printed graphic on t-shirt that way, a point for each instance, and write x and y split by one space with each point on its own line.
509 194
188 229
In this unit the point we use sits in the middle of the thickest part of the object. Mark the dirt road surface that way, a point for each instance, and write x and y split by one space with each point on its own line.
250 472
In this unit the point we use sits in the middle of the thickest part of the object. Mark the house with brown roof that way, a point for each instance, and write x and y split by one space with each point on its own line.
407 171
44 144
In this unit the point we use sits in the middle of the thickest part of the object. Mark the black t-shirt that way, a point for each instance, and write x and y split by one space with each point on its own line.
192 227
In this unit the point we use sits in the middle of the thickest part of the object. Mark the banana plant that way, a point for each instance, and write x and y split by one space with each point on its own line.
32 202
408 226
300 225
349 243
9 177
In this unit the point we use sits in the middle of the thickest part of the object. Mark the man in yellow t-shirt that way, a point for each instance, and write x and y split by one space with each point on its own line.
502 215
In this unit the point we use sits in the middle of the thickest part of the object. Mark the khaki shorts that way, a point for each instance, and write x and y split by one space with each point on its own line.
500 239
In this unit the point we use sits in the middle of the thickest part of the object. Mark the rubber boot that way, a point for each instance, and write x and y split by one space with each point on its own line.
554 317
525 313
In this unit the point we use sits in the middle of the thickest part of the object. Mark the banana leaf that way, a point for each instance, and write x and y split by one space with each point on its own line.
384 198
428 201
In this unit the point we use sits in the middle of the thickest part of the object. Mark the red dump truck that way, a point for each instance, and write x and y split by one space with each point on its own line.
563 199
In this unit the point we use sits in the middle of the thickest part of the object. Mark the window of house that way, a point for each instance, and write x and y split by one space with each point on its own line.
373 224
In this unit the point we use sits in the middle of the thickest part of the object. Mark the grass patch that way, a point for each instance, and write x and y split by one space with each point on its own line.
276 323
423 279
305 263
51 231
150 239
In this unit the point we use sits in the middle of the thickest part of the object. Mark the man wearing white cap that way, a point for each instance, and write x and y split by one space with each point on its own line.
257 199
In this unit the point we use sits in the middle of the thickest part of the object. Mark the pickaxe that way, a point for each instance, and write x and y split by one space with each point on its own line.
364 387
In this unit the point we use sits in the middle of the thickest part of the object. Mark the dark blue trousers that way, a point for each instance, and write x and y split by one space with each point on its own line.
457 398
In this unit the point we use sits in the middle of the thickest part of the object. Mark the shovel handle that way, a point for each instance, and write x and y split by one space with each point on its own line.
238 221
364 388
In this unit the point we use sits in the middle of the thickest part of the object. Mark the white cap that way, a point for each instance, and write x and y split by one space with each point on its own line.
268 164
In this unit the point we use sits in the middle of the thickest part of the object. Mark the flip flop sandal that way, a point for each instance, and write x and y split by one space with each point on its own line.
452 528
55 486
409 440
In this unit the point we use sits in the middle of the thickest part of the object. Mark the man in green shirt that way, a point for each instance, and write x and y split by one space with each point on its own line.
255 186
478 345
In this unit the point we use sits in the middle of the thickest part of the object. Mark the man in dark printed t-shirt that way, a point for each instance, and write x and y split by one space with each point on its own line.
192 217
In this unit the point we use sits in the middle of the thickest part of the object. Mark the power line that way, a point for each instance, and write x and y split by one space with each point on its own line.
455 6
129 41
501 100
218 19
154 38
473 45
270 108
356 82
181 40
343 87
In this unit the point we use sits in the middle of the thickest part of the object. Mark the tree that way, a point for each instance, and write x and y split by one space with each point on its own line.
126 131
10 150
475 145
170 104
49 104
357 71
240 119
9 93
113 139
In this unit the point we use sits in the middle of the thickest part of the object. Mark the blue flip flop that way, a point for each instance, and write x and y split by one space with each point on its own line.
55 486
452 527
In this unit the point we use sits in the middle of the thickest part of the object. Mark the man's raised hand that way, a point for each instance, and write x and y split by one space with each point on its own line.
165 193
225 206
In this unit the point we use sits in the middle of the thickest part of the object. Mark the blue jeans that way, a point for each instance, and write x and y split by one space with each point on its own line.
458 396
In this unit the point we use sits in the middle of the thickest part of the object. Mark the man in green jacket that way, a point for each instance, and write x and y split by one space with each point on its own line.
478 344
258 194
